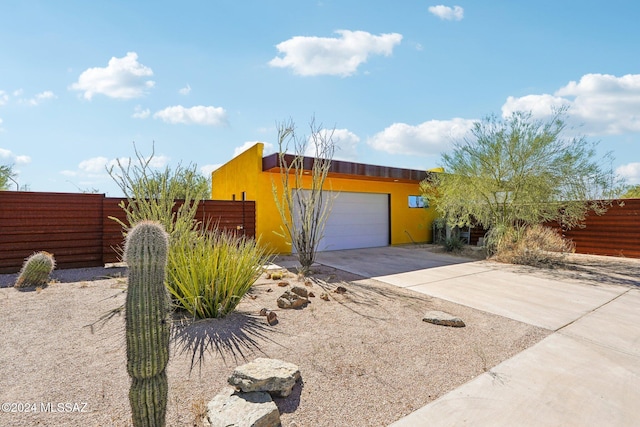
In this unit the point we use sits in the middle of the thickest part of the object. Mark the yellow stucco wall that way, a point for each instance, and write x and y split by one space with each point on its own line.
244 174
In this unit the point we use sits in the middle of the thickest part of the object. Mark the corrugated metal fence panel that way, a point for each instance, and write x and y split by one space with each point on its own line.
476 233
112 237
67 225
238 217
616 233
77 229
231 216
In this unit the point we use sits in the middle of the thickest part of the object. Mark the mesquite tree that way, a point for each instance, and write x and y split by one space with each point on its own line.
303 204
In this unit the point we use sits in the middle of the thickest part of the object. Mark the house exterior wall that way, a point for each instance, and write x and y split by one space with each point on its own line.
244 174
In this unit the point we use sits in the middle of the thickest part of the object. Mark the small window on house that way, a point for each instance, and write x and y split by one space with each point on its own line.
417 202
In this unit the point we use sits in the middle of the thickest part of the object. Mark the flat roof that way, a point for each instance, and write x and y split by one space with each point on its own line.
351 170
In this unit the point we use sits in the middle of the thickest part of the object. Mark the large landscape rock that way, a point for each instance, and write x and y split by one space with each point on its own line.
291 300
270 375
232 409
300 291
442 318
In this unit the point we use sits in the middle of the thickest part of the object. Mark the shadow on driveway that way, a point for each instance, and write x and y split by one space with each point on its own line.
383 261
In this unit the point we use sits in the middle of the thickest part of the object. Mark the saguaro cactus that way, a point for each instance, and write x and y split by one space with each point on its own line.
36 270
147 310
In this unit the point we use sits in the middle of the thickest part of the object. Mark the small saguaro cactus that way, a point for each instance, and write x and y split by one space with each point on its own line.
36 270
147 327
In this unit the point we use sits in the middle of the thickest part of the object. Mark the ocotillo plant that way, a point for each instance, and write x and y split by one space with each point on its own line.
147 328
36 270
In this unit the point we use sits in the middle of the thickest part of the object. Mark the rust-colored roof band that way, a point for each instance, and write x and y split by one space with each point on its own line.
340 168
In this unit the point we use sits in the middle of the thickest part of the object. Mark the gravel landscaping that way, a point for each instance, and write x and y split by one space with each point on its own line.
366 357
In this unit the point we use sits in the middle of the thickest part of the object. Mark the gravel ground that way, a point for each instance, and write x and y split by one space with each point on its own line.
366 357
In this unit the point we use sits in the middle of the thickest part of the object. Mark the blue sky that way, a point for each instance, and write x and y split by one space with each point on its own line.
400 81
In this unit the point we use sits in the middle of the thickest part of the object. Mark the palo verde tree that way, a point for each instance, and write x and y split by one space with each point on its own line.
7 176
519 171
183 182
152 194
631 192
303 204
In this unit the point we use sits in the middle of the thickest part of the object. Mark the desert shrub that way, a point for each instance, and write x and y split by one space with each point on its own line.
151 195
453 244
534 245
36 270
210 272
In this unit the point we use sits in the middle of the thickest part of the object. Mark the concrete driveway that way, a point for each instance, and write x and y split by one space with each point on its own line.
587 373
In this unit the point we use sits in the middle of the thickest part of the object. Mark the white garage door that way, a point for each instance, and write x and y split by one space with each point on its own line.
357 220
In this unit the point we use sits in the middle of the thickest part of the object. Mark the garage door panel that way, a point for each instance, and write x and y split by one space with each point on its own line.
361 216
356 220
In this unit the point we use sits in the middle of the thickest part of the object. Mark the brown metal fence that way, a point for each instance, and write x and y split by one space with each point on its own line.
77 229
616 233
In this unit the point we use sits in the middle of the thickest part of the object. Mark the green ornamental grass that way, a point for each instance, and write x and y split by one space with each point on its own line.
210 272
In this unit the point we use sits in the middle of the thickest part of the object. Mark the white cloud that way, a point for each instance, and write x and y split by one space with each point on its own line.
198 115
447 13
14 158
38 99
185 90
43 96
207 169
603 103
22 160
428 138
268 148
122 78
629 172
95 168
139 113
346 144
94 165
1 128
539 105
312 56
159 162
345 141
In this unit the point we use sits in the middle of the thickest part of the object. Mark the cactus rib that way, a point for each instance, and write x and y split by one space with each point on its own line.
147 327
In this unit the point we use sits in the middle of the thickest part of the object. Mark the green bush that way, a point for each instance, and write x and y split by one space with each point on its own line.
453 244
210 272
